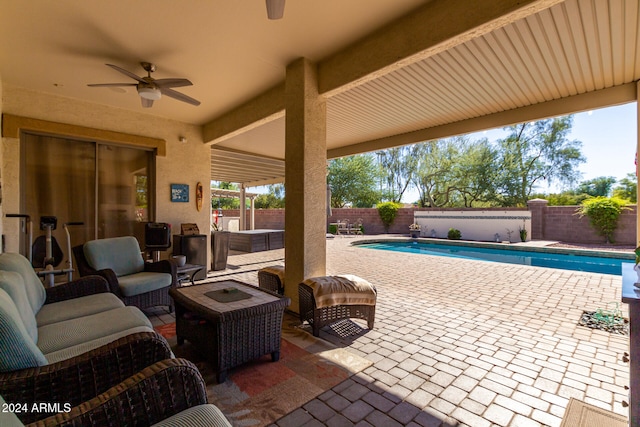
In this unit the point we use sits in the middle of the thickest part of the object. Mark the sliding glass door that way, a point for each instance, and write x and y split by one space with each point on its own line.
107 187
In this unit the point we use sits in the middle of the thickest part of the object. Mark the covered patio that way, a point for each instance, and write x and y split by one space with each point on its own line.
330 79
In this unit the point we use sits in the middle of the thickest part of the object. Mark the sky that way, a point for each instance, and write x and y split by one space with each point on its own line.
609 140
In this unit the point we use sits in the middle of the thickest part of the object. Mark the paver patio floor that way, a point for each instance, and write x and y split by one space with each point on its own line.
460 342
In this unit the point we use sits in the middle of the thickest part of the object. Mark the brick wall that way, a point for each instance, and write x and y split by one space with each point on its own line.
547 222
562 223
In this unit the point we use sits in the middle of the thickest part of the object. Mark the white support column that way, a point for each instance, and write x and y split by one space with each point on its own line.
252 216
243 211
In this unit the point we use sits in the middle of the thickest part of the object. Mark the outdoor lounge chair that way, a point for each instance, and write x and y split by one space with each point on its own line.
168 393
135 282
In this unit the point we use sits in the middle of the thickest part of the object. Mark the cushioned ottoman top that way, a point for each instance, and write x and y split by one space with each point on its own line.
345 289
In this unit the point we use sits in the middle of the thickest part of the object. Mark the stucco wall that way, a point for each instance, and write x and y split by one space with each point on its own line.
185 163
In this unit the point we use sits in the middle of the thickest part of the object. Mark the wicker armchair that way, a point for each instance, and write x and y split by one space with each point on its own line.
83 377
143 300
168 393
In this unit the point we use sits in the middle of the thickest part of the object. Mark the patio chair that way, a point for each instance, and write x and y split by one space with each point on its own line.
327 299
134 281
272 278
356 227
168 393
343 226
82 377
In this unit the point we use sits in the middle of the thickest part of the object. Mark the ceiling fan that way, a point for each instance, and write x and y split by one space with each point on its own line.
151 89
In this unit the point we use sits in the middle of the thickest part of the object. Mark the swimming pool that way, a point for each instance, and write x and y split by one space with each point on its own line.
591 261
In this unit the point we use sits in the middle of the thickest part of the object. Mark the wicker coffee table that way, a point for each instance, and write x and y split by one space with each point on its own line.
229 333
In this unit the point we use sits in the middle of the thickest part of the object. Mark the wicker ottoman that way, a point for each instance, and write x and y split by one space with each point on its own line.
272 278
323 316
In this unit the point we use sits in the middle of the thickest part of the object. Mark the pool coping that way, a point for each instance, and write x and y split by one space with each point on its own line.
507 246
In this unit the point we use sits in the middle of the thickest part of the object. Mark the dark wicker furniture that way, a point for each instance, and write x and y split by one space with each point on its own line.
188 272
321 317
83 377
148 299
256 240
148 397
270 281
232 333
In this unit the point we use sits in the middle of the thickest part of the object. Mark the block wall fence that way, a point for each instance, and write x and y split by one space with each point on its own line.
547 222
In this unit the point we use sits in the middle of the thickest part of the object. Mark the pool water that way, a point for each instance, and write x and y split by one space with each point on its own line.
564 261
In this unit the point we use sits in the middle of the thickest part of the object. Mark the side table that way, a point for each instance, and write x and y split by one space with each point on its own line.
229 333
188 272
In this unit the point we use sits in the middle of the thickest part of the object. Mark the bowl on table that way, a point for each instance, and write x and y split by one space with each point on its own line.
181 260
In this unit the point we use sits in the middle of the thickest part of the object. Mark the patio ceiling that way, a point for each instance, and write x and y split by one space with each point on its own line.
571 57
393 73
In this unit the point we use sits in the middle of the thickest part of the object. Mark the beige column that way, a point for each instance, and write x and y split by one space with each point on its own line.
305 178
638 164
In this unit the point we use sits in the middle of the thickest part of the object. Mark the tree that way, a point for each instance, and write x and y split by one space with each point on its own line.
600 186
474 172
397 168
434 169
455 172
534 152
353 181
274 199
627 188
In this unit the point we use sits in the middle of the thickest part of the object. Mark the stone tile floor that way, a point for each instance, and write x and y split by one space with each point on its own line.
462 343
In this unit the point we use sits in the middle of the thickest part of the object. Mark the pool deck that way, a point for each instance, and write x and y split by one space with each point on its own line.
462 342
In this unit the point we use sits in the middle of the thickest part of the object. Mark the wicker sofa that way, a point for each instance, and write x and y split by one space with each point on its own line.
119 261
67 343
179 399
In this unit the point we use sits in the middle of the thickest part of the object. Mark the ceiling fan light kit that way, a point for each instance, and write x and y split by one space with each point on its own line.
275 9
151 93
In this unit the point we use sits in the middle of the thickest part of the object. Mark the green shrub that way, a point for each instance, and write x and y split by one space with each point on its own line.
454 234
333 229
388 212
603 213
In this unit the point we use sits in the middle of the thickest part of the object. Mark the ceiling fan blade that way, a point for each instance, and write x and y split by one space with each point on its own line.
179 96
146 103
126 73
162 83
112 84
